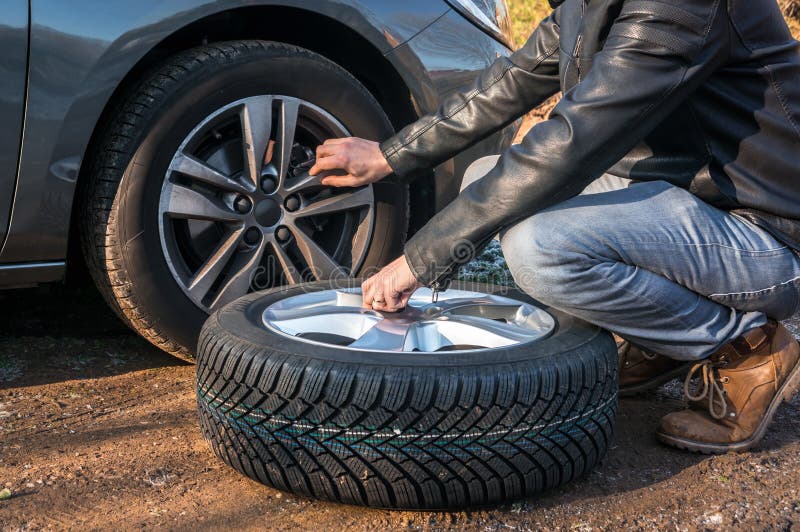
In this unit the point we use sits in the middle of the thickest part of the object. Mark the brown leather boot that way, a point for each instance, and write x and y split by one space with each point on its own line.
742 385
640 370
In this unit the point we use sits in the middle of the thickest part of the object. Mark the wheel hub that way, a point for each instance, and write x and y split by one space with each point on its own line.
268 212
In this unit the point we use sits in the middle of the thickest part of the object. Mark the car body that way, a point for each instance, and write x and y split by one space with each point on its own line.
66 62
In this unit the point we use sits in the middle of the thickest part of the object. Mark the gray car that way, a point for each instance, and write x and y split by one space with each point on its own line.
164 145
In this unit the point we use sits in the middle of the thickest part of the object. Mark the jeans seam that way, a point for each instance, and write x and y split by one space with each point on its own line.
707 244
753 292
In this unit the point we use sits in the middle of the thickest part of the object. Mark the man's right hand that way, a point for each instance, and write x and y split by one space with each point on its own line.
360 159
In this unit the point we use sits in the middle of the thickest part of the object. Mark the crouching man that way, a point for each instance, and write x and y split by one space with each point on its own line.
661 200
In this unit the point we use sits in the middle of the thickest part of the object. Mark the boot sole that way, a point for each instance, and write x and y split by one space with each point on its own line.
785 393
636 389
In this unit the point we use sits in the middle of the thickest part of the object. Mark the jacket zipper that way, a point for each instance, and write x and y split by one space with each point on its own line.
437 287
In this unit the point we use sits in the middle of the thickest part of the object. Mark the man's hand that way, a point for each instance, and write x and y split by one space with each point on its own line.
389 289
362 160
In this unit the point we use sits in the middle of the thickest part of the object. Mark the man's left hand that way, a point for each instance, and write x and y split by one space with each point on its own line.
389 289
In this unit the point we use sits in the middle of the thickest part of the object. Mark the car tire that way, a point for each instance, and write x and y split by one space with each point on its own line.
120 232
404 430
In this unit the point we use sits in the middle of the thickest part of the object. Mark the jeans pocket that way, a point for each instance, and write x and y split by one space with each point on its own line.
779 302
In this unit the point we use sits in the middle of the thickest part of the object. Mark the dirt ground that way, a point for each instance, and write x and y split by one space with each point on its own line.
98 430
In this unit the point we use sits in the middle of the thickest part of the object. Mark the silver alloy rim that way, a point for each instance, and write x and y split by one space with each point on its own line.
458 321
226 232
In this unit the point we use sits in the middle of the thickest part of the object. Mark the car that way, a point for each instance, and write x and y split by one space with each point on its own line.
164 146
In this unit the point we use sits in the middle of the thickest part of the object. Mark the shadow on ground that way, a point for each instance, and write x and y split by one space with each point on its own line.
57 333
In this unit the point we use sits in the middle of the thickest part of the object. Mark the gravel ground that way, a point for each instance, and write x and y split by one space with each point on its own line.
98 430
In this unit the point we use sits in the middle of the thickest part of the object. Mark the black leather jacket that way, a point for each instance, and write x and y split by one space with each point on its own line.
704 94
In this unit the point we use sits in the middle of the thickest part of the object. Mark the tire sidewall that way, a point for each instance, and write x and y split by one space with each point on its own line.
278 70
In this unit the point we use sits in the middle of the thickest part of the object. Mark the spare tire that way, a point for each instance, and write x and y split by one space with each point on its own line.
300 391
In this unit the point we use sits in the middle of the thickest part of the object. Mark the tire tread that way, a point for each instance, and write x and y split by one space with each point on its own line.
257 383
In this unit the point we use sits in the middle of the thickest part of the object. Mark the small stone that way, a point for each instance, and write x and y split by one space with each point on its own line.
5 493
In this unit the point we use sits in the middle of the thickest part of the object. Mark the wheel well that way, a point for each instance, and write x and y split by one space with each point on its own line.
369 66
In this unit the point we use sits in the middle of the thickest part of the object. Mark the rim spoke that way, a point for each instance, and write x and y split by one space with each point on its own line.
304 181
241 280
202 281
338 203
197 169
508 331
280 315
184 202
386 335
321 264
289 109
290 271
256 118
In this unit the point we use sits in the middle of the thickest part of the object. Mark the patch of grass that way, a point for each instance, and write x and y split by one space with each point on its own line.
794 25
488 267
525 16
791 8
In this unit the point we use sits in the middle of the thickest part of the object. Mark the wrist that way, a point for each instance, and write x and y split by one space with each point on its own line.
384 166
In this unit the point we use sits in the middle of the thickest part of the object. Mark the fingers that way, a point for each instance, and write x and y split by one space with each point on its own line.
324 150
340 140
332 147
405 296
341 181
330 156
394 302
387 304
333 162
390 289
377 293
367 288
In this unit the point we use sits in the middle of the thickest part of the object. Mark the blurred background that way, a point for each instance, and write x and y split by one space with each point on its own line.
526 14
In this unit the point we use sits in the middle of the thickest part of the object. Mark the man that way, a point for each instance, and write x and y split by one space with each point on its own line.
684 117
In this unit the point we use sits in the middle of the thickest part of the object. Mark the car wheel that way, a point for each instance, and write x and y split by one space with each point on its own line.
201 191
480 397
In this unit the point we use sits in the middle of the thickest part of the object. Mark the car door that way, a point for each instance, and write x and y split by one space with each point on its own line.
13 78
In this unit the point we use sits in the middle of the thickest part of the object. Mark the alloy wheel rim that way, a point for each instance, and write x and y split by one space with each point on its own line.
238 210
458 321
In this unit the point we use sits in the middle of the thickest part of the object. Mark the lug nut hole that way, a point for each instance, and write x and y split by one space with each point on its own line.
283 234
242 204
252 236
268 184
292 203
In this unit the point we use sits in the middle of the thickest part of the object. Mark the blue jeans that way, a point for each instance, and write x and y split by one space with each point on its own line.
654 264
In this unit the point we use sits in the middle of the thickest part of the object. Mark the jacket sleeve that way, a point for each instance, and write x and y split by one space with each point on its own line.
655 56
505 91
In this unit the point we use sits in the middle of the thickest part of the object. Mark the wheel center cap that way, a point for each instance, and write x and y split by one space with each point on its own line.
268 212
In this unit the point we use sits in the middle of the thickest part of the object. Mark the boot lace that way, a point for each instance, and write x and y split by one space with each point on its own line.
710 387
